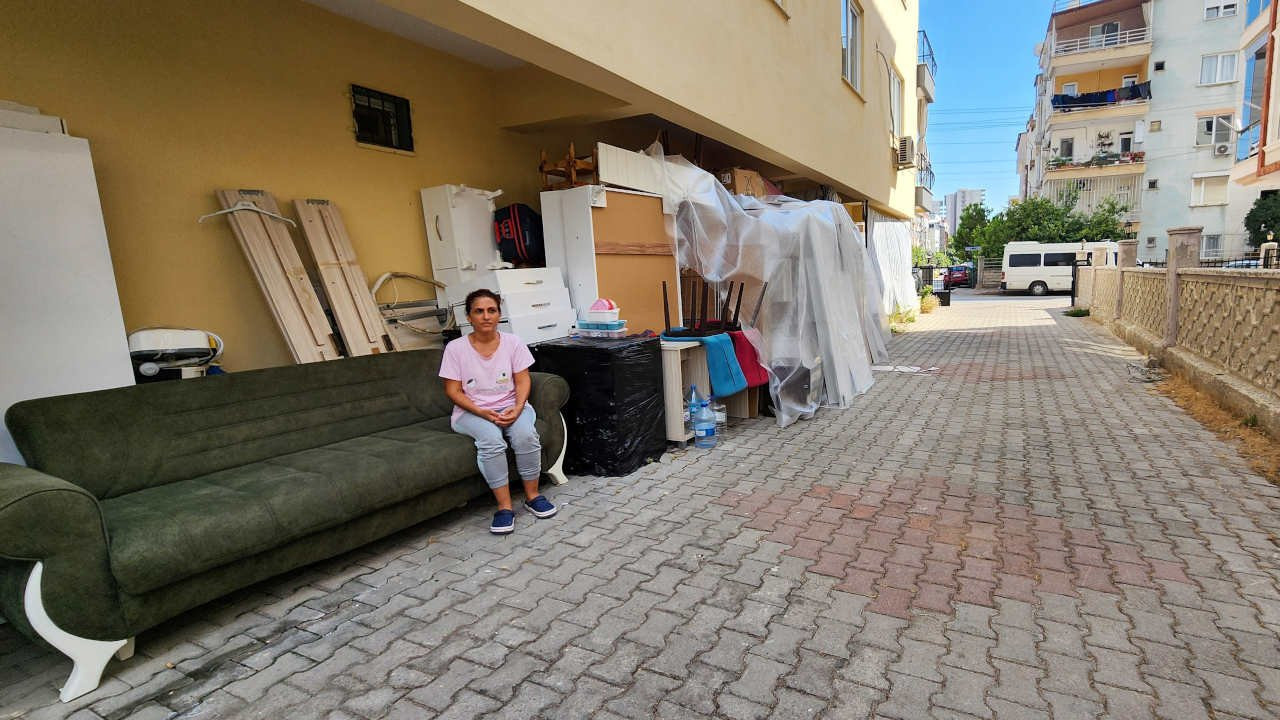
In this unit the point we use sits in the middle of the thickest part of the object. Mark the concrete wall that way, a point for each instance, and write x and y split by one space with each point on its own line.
1102 79
1227 329
1180 36
1129 19
740 71
178 102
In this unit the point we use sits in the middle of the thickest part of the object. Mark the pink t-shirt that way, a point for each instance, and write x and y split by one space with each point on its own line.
487 382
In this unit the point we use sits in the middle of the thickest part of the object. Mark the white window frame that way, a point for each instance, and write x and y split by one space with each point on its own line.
851 43
1120 143
1128 81
896 122
1071 88
1198 185
1071 140
1155 125
1218 76
1221 123
1206 251
1215 9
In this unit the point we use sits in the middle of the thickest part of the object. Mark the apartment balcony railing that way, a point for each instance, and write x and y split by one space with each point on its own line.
1090 193
924 172
1060 5
1099 42
924 53
1099 160
1138 93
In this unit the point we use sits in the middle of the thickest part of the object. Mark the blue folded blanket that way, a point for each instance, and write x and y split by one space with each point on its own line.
722 363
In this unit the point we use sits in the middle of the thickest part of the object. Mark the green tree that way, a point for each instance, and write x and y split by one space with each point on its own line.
973 223
918 256
1263 217
1104 223
1047 220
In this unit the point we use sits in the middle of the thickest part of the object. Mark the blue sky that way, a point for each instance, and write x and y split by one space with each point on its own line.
986 70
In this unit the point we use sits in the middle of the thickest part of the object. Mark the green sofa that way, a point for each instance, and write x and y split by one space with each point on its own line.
143 502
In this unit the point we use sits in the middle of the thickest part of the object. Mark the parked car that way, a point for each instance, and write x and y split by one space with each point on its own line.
1242 264
958 276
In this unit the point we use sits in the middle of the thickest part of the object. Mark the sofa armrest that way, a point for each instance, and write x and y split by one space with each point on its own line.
47 519
548 393
42 516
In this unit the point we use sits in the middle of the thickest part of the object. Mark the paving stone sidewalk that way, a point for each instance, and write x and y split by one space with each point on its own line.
1022 533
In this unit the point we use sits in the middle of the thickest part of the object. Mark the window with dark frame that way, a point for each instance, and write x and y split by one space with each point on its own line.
1024 260
1063 259
381 119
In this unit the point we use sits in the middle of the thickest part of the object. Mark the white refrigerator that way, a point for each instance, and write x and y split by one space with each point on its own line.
61 329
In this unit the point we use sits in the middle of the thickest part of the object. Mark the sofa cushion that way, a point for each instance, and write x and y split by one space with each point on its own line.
163 534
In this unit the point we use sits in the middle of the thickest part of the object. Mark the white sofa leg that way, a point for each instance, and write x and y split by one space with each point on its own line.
556 471
126 652
90 657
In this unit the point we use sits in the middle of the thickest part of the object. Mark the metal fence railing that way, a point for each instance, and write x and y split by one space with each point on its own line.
924 53
1246 261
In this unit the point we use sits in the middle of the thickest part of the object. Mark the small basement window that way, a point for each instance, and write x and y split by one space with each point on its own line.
381 119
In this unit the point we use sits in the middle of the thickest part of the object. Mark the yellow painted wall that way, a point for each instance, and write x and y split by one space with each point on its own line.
738 71
178 100
1104 79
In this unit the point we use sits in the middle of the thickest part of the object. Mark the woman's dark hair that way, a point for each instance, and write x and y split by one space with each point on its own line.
475 295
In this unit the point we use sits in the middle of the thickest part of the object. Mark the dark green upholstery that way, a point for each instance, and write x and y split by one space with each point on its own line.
146 501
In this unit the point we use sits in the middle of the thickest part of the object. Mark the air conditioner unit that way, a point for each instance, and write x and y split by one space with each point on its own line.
906 152
1221 150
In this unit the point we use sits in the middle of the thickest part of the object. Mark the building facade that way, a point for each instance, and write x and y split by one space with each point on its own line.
1139 101
1257 148
179 102
957 201
1190 126
1083 142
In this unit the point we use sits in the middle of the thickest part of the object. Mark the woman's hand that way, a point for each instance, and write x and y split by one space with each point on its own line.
507 417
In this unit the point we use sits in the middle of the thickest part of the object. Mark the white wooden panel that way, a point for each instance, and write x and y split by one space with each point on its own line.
572 242
543 326
526 279
628 169
60 314
526 303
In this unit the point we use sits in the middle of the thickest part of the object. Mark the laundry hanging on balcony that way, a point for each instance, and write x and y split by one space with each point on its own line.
1102 98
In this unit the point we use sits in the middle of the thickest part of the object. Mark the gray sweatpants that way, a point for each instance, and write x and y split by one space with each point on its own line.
491 446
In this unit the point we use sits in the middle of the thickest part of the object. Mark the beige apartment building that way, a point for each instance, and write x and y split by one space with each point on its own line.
1092 94
178 100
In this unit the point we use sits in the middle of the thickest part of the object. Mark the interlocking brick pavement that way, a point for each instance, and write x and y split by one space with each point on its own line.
1023 533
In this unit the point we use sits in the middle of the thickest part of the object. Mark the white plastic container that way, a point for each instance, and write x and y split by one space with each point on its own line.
602 315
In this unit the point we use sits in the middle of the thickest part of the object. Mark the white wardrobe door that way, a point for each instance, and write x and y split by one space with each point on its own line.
61 330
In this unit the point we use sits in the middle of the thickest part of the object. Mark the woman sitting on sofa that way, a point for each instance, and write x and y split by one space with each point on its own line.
486 375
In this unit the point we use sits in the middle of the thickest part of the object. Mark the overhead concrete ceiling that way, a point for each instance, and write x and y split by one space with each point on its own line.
377 15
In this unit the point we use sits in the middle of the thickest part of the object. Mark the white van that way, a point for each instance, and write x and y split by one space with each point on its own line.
1039 268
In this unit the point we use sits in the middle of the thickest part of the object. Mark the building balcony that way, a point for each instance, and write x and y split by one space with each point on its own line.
1099 165
1089 193
926 66
1095 52
924 183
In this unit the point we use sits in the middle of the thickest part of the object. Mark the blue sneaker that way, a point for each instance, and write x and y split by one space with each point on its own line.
504 521
540 507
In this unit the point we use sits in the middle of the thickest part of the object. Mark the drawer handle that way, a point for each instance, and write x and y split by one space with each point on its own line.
541 304
544 327
532 282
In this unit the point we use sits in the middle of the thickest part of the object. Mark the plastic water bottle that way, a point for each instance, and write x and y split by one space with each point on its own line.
722 415
704 426
691 403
